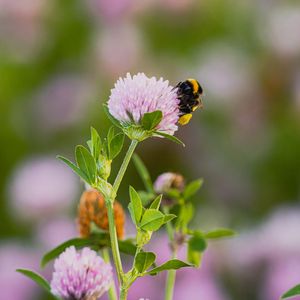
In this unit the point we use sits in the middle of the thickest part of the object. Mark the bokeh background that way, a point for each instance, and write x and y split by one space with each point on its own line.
58 62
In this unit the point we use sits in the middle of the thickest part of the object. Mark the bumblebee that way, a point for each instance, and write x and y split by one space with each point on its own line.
189 93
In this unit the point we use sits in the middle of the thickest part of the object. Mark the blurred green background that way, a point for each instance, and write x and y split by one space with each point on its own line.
58 62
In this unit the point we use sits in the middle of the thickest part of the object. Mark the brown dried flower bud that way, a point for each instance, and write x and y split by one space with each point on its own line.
92 208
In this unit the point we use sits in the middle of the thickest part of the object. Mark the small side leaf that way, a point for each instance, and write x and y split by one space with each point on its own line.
152 119
143 261
173 264
111 118
136 205
194 257
152 220
96 143
219 233
127 246
110 134
173 193
86 163
116 145
146 197
192 188
196 245
144 173
90 145
185 215
74 168
295 291
170 137
37 278
169 217
156 202
197 242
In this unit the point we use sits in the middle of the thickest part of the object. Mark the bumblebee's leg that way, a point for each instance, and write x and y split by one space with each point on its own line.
185 119
197 104
185 109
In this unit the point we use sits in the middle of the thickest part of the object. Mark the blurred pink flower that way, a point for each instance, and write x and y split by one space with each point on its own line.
201 287
177 5
41 187
225 73
113 59
61 103
279 235
13 285
56 231
133 96
21 26
281 32
274 240
109 10
152 286
282 275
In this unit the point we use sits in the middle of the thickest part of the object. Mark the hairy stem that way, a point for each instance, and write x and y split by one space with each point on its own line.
112 294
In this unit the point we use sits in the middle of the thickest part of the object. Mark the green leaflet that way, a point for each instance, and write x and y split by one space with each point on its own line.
152 220
136 205
151 120
143 261
292 292
172 264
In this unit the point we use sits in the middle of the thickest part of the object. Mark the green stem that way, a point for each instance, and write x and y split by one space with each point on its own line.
111 219
114 240
124 165
112 294
170 284
171 275
123 294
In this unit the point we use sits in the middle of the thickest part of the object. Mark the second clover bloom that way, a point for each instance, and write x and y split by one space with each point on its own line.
80 275
134 96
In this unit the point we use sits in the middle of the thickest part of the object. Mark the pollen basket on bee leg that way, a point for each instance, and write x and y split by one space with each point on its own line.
185 119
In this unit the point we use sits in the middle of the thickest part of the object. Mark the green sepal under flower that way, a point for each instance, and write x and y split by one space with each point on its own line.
146 128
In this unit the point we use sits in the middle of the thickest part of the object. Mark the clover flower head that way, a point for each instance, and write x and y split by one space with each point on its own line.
168 180
134 96
80 275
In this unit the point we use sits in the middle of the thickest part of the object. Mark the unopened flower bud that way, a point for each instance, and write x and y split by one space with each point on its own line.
167 181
